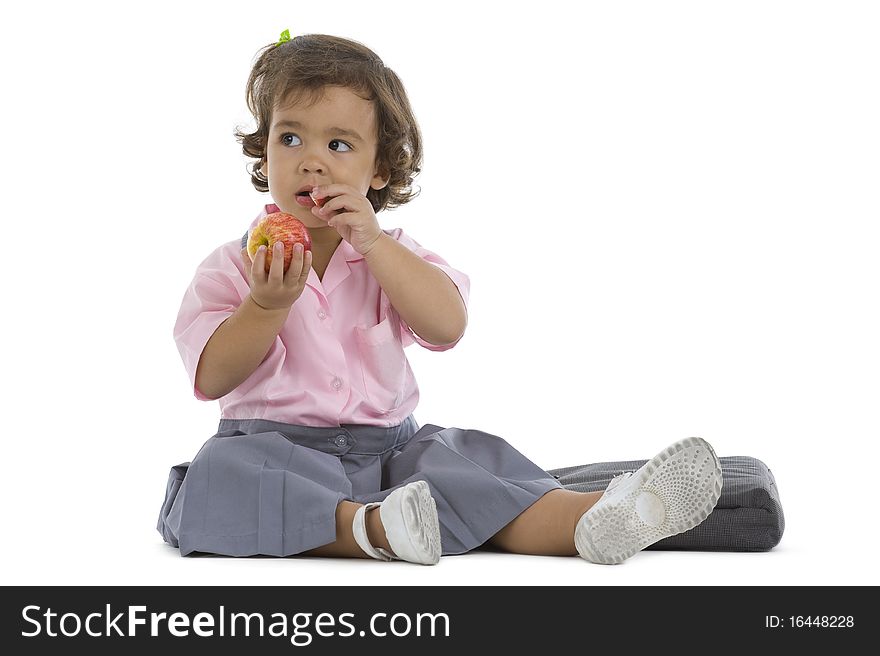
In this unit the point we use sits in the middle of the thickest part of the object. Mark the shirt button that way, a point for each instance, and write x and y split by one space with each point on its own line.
336 383
321 314
341 441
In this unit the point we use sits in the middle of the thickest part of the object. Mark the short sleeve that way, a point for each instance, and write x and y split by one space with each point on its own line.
217 289
461 281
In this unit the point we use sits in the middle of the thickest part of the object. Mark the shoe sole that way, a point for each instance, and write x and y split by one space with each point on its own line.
422 524
682 482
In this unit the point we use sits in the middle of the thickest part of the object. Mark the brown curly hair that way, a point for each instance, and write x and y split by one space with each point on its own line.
301 68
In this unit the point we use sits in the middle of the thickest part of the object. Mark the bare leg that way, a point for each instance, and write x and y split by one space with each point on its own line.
345 545
546 528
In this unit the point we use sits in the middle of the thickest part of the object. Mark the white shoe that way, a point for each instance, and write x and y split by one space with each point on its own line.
616 480
409 515
670 494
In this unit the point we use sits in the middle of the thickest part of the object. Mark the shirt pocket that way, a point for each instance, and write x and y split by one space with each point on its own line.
383 364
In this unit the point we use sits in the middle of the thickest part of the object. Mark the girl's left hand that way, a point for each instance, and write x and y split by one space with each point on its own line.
350 213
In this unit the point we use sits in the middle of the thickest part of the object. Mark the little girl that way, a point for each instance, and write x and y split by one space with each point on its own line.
316 394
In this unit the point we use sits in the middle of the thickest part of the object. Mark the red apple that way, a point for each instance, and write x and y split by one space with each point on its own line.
318 201
278 226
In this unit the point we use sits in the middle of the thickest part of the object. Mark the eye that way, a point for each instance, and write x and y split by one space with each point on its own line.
284 136
340 143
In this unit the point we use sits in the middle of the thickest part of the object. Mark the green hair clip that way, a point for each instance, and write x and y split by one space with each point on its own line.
285 36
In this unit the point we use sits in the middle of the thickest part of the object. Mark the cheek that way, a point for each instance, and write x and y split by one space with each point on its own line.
276 163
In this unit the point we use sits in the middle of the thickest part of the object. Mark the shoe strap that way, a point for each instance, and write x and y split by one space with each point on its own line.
359 528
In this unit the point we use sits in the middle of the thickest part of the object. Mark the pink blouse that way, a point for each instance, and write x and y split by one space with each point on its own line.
338 358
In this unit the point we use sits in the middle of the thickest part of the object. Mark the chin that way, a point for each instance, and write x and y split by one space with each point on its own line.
313 222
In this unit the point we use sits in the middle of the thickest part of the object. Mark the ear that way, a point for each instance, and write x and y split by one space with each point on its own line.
380 180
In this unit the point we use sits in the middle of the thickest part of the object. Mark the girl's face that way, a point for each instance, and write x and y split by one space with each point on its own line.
332 142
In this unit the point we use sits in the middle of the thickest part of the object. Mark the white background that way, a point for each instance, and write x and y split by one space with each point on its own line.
668 211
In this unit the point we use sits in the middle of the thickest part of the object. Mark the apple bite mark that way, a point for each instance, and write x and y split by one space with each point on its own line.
275 227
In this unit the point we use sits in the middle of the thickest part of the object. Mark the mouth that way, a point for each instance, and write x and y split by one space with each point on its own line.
303 198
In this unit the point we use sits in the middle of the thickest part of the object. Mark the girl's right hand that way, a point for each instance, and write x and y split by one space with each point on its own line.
277 290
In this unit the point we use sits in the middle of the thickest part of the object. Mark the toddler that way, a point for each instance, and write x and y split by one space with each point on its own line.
317 451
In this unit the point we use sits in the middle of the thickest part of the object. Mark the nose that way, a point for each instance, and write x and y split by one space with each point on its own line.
312 163
311 166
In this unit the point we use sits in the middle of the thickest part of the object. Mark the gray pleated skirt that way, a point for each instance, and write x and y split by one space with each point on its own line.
271 488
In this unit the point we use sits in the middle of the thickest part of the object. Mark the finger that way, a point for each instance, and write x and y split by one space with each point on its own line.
246 260
343 219
347 219
307 266
319 212
299 269
344 203
258 271
332 190
339 197
296 263
276 267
